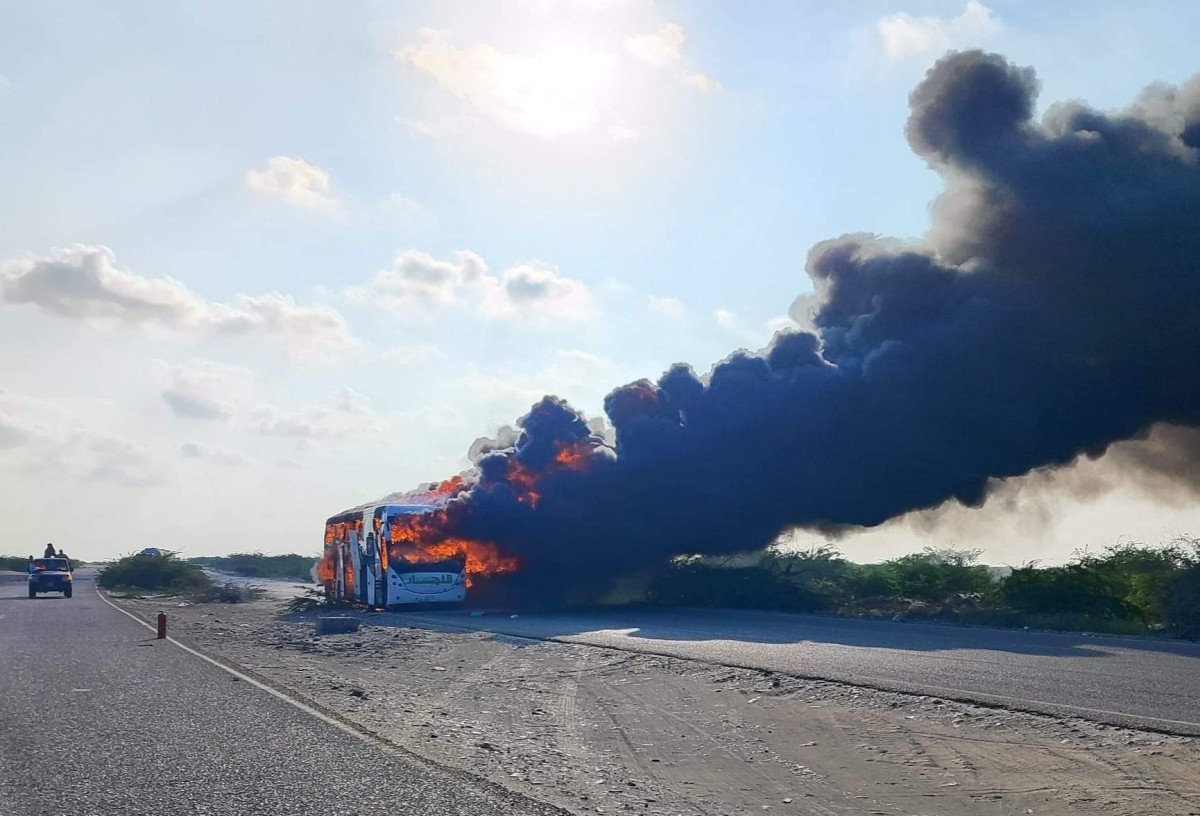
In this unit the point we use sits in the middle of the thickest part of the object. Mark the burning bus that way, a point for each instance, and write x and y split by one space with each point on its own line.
371 558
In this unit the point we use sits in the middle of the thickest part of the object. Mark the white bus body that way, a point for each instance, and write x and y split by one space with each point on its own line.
356 546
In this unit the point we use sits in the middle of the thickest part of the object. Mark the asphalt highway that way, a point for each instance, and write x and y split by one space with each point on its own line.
98 718
1121 681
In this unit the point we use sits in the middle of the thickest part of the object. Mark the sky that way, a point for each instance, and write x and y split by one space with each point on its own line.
260 262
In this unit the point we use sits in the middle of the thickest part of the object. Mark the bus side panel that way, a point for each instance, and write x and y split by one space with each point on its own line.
363 573
450 588
377 523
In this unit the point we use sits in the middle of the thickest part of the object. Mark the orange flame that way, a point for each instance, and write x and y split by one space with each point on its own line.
523 482
574 457
327 566
451 487
420 538
325 570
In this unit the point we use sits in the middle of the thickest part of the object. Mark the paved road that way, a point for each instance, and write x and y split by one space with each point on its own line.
1120 681
98 719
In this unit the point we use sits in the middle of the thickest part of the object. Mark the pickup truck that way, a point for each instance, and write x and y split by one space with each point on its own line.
51 575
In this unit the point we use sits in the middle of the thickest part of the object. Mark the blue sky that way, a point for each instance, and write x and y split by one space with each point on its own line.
291 256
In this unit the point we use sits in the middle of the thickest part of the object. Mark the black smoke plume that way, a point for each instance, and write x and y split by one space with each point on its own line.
1052 310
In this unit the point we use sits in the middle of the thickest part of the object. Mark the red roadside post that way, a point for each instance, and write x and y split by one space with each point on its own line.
162 625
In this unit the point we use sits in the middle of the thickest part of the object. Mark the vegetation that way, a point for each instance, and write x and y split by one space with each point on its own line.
291 567
315 600
153 573
1130 588
20 563
134 575
226 593
14 563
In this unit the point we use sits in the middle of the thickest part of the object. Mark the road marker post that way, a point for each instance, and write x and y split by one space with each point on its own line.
162 625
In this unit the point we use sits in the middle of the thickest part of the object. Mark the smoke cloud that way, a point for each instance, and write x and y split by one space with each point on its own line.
1050 312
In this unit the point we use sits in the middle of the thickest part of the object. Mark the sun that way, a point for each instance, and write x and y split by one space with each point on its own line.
558 91
562 88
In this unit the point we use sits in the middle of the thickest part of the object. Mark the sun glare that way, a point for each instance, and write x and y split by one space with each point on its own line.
557 91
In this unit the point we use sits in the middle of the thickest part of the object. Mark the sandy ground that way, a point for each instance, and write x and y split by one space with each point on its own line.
601 731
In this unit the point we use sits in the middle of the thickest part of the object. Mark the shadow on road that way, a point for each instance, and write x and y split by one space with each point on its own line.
659 624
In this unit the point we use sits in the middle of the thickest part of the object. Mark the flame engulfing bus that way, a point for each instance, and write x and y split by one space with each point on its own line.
357 565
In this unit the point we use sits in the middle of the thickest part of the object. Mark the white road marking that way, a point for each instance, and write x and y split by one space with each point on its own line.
257 684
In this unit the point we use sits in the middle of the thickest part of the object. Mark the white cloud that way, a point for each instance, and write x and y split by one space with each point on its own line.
398 207
307 331
725 318
20 420
12 435
418 279
424 128
538 290
211 453
582 377
581 366
779 323
203 389
416 282
39 436
414 354
903 36
543 7
622 132
295 181
615 82
106 457
662 47
85 283
351 416
442 127
666 306
513 397
750 335
553 92
702 82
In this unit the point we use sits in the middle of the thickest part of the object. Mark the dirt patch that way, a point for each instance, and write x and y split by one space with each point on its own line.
602 731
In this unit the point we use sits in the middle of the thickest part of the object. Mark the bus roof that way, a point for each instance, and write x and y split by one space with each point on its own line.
392 510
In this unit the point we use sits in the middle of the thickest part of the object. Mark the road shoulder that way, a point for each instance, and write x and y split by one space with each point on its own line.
599 730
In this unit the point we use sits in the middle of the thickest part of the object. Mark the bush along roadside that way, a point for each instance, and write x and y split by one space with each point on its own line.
1130 588
136 575
153 573
290 567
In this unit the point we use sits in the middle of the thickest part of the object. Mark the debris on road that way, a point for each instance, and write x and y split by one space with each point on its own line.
336 624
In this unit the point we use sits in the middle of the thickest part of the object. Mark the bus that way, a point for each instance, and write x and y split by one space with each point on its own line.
357 566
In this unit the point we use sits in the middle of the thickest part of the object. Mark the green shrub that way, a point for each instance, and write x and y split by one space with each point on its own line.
14 563
314 600
226 593
1054 622
872 581
291 567
1130 588
936 576
20 563
1181 593
155 573
1139 574
707 585
1072 589
1129 582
